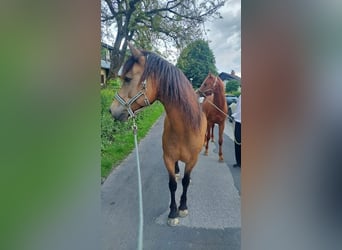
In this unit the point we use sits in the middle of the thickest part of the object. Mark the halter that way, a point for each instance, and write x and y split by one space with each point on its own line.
128 104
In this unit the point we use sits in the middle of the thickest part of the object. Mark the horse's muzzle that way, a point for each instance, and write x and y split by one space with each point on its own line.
205 93
122 117
119 114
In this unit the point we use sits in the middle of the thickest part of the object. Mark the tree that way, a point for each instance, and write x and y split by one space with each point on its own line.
149 22
232 85
196 61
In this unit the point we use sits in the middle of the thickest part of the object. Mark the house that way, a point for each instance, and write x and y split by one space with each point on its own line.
225 77
105 62
228 77
105 66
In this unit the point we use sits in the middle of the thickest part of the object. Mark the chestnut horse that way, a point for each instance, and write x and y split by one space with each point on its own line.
215 107
147 77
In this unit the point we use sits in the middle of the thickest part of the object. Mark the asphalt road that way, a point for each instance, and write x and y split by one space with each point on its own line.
214 220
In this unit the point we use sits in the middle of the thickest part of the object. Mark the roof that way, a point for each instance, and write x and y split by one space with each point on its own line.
105 64
225 76
104 45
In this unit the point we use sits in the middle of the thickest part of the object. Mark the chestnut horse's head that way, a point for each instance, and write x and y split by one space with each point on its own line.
136 91
208 86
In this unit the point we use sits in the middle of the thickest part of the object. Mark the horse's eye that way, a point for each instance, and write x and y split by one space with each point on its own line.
127 79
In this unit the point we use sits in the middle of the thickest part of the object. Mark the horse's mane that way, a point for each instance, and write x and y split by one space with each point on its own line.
221 84
174 87
220 95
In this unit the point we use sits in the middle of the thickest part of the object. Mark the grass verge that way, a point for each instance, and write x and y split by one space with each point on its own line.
117 139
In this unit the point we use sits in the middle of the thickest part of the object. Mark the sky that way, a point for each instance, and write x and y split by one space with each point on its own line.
225 37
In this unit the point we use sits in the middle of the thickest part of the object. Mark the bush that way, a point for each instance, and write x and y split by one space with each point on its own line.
114 83
109 127
236 93
232 86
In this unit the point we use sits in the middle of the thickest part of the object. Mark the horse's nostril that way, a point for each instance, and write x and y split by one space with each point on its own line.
110 112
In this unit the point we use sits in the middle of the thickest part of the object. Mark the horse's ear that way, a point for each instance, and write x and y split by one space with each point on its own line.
135 52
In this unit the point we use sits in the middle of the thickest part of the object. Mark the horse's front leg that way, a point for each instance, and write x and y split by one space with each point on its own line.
172 218
221 129
183 209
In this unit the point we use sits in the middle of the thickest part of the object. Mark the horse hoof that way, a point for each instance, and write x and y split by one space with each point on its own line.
183 213
172 222
206 153
221 159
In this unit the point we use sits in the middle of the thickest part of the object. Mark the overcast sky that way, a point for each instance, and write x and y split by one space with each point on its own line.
225 37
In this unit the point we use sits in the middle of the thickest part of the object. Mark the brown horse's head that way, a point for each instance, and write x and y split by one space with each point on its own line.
136 92
209 85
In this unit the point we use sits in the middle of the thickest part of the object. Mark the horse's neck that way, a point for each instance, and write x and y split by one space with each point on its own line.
172 112
175 121
219 98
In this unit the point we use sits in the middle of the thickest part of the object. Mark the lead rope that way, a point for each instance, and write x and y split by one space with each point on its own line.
141 214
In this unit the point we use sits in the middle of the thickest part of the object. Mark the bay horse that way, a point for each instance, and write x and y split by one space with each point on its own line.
147 77
215 107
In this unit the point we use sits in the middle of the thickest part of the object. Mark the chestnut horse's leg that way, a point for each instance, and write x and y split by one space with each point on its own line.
207 138
212 132
221 129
